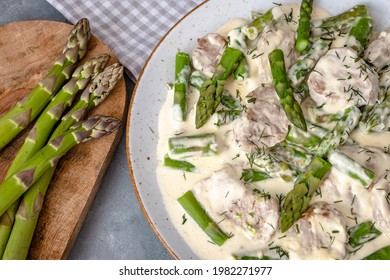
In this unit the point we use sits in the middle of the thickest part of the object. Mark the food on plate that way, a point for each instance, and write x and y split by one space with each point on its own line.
285 145
60 111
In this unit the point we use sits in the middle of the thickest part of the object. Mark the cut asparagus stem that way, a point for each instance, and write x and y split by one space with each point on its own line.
182 77
179 164
39 134
350 167
192 145
25 111
306 139
305 63
197 79
341 132
362 233
297 201
303 29
253 175
282 86
254 28
13 187
195 210
93 95
212 89
360 34
226 116
295 156
381 254
242 70
339 22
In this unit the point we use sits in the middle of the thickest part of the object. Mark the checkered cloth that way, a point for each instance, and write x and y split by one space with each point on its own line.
131 28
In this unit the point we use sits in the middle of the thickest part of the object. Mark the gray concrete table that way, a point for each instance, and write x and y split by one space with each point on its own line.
115 227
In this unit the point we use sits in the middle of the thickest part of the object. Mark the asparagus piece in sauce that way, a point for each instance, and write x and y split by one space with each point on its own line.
338 22
299 71
381 254
196 211
182 77
360 34
192 145
282 86
304 28
362 233
297 201
179 164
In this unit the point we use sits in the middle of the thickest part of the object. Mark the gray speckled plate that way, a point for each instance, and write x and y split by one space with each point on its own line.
150 93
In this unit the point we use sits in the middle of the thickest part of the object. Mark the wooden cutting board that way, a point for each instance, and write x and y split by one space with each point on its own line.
28 50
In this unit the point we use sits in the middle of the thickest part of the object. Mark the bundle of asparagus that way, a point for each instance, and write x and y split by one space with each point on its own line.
27 180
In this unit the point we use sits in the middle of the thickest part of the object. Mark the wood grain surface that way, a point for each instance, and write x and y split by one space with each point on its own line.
28 50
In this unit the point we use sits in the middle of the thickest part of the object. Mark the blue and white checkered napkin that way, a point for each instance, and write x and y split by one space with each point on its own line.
131 28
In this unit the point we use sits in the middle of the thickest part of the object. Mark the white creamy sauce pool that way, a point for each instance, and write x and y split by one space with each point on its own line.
174 183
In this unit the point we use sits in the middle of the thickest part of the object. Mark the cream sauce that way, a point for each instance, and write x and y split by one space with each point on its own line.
174 183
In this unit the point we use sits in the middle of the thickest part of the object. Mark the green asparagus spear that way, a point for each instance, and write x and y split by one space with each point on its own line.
242 70
295 156
303 29
192 145
350 167
381 254
195 210
34 168
212 89
53 112
25 111
341 132
43 127
306 139
297 201
93 95
282 86
339 22
360 34
305 63
254 175
179 164
255 27
362 233
14 186
182 76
